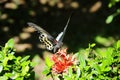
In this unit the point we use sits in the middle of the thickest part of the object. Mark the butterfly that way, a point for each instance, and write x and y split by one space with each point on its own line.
51 43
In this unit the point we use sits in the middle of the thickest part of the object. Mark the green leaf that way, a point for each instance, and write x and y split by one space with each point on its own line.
107 69
18 60
1 68
23 64
1 56
101 52
109 53
101 40
118 10
8 74
103 64
24 59
5 61
70 71
3 78
10 44
11 56
118 44
78 72
109 19
46 71
25 70
14 75
92 45
48 62
82 60
20 78
110 5
97 67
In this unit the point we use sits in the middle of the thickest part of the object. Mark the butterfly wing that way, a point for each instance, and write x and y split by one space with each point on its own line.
40 30
44 37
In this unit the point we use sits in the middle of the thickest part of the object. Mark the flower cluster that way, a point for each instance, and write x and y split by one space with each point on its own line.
62 61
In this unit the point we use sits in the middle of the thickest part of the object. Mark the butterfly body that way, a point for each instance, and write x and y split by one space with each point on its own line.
50 42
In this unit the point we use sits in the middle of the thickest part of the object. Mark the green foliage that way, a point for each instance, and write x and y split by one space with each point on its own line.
12 67
112 3
111 17
101 63
98 63
49 64
104 41
71 75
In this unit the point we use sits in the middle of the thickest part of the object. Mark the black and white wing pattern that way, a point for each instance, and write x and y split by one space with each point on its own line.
44 36
50 42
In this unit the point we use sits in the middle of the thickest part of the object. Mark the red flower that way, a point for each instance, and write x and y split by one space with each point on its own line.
62 61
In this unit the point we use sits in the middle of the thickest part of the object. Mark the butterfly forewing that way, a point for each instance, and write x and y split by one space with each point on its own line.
40 30
44 37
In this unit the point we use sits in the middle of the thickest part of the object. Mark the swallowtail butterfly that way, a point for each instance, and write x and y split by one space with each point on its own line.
51 43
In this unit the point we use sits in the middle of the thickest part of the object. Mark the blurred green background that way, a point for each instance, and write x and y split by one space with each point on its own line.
87 24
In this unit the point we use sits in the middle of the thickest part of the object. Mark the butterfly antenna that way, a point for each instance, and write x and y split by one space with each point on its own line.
61 35
67 23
